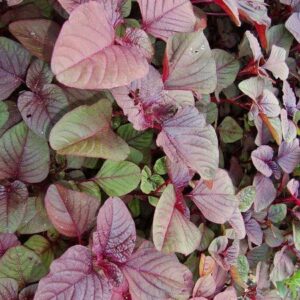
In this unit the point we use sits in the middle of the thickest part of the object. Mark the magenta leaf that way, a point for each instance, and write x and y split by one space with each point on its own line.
265 192
154 275
190 64
164 19
293 187
262 159
115 236
289 156
72 276
38 75
8 289
218 203
7 240
228 294
12 205
14 61
71 212
42 109
172 231
23 155
88 69
187 139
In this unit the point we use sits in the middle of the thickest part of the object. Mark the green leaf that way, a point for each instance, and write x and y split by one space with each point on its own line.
86 131
23 155
139 140
42 247
160 166
296 234
277 213
153 200
246 197
207 237
22 264
149 182
294 284
227 69
36 218
4 114
278 35
135 207
118 178
230 131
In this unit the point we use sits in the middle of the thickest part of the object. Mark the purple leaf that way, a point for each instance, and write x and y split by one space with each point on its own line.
115 236
186 139
142 101
289 99
289 156
289 129
41 110
138 39
265 192
218 203
293 25
71 212
172 231
38 36
72 276
217 250
38 75
88 69
283 266
14 60
28 292
179 174
23 155
164 19
293 187
237 223
254 47
190 64
254 232
228 294
267 103
154 275
276 63
8 289
70 5
262 158
204 287
12 205
7 240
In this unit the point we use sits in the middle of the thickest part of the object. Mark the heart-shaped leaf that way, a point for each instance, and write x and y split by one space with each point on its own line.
289 156
37 35
12 206
14 61
190 64
172 231
88 25
115 236
186 139
73 276
71 212
118 178
86 131
164 19
23 155
154 275
262 159
218 203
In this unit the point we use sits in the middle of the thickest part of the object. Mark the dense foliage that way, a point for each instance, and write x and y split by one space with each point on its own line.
149 149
